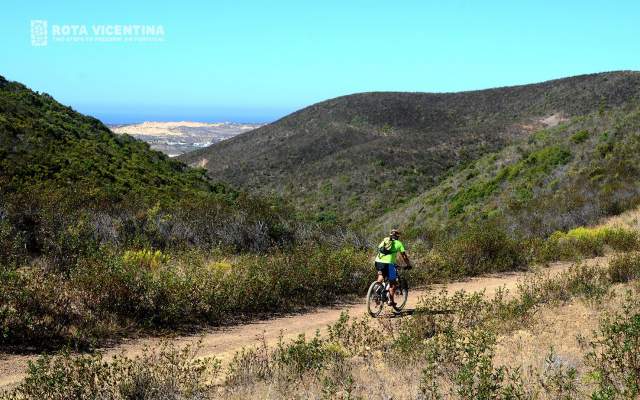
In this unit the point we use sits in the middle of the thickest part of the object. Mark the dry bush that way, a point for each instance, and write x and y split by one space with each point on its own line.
166 373
624 267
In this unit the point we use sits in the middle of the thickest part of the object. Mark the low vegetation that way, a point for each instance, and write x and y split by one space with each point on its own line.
625 267
589 242
486 247
613 355
451 340
101 297
105 290
100 236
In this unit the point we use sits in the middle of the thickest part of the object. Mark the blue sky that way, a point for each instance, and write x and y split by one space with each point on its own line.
259 60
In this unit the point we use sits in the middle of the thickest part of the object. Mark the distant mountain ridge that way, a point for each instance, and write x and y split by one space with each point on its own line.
359 156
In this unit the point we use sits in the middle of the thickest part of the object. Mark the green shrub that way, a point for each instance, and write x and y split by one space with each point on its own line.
587 281
438 313
353 335
587 242
146 258
471 195
613 355
250 364
44 310
590 282
301 356
12 246
622 239
559 381
481 249
603 149
460 364
287 361
537 164
580 136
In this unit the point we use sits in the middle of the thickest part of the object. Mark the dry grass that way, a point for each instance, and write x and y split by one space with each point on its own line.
629 219
555 327
377 378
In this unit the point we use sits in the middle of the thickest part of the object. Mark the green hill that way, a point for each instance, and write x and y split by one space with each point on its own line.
43 143
555 179
62 172
358 157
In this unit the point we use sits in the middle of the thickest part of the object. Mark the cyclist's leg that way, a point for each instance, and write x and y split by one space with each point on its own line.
383 271
393 281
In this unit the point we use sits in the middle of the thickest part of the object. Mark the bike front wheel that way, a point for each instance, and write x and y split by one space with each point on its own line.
401 295
375 300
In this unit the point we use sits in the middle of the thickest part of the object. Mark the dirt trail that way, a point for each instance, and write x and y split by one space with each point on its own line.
224 342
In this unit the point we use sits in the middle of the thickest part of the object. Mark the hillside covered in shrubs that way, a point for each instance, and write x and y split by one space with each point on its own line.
558 178
359 157
101 236
64 175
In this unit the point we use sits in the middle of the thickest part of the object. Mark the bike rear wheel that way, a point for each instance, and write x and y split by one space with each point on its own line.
401 295
375 300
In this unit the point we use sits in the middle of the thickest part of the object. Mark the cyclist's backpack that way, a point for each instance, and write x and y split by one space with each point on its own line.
385 246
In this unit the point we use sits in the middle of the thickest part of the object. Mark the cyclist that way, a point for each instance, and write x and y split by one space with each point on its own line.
385 262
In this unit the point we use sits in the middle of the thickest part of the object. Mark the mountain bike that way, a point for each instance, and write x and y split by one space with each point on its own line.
378 294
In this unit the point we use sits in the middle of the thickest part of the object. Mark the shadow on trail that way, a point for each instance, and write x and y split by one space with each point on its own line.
412 311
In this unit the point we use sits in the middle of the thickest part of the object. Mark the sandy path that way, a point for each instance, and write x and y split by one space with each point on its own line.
224 342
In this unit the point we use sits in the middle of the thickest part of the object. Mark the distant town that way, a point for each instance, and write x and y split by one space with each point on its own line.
175 138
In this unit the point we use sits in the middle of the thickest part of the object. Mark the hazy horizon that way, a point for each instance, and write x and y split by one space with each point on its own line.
124 119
